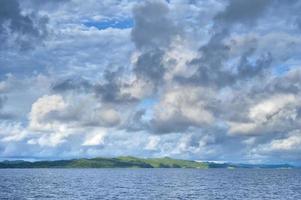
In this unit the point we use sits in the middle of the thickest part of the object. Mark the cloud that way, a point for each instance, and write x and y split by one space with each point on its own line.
282 149
4 115
275 114
214 66
181 108
49 111
205 80
149 66
55 120
288 144
2 99
152 143
41 108
153 26
242 11
19 29
95 138
110 89
71 84
153 32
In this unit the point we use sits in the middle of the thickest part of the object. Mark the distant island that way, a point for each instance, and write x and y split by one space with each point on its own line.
132 162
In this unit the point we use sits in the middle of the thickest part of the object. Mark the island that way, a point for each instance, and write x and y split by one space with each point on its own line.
132 162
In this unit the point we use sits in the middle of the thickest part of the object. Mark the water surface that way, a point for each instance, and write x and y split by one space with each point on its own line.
150 184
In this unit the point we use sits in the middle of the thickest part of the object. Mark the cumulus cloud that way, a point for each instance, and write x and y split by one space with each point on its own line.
285 148
152 34
204 80
181 108
215 66
75 111
277 113
41 108
95 138
287 144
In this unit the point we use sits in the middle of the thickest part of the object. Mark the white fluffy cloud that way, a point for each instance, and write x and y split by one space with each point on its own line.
184 106
271 114
291 143
282 149
95 138
41 108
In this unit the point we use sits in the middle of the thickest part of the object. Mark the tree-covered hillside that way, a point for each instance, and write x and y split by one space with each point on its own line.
130 162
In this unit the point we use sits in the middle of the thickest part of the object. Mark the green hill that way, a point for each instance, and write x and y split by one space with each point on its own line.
119 162
130 162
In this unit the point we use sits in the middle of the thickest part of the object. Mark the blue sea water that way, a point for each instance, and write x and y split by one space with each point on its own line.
152 184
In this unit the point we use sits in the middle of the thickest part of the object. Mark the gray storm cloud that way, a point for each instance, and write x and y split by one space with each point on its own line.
154 28
212 63
19 29
152 34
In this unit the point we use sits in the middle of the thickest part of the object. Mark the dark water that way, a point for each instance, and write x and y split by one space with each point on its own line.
149 184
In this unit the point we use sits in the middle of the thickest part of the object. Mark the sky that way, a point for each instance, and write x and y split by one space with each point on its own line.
213 80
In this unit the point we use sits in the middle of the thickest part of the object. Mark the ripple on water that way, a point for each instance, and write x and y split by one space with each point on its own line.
150 184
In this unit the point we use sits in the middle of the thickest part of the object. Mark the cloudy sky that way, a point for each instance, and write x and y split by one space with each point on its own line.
216 80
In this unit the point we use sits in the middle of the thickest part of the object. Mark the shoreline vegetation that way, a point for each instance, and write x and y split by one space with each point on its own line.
134 162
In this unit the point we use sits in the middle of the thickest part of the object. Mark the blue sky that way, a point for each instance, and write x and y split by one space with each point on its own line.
204 80
112 23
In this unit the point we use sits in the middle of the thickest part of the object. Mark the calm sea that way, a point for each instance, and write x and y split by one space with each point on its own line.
152 184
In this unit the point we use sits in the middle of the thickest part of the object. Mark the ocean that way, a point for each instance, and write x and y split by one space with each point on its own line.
134 184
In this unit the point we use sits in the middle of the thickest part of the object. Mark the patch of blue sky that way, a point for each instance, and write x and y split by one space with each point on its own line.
111 23
281 69
147 104
290 64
